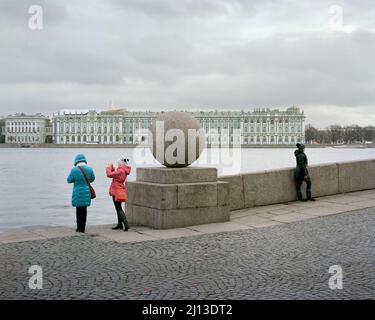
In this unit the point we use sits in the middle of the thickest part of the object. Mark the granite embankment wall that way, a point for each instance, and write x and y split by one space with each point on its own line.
271 187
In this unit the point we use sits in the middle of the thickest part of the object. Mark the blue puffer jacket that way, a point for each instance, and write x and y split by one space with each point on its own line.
81 196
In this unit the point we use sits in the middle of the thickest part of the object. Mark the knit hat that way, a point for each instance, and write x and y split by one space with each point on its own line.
122 162
80 158
300 146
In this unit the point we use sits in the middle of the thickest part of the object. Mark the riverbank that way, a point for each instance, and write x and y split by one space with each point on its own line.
243 219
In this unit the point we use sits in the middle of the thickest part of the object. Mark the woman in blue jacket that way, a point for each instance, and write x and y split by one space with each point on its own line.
81 197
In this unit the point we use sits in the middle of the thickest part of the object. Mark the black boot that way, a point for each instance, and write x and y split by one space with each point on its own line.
118 227
124 220
126 226
309 197
300 197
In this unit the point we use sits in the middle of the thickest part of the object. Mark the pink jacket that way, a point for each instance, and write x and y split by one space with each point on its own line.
118 177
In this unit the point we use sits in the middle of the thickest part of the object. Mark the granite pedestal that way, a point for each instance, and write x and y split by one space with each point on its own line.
164 198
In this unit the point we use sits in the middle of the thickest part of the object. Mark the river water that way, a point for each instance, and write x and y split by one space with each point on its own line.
34 192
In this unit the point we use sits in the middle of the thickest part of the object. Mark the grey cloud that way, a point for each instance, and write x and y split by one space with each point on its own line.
165 54
171 9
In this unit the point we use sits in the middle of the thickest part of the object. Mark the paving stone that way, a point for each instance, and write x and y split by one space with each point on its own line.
269 208
286 261
243 213
255 221
219 227
267 215
341 207
340 199
19 235
364 203
21 239
130 236
300 204
53 232
283 210
170 233
319 211
292 217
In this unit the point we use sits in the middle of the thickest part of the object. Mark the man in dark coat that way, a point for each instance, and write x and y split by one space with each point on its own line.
301 173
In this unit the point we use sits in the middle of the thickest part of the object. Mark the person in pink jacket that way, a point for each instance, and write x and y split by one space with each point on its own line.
117 190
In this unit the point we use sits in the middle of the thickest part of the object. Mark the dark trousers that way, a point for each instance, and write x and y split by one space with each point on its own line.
81 214
299 182
121 217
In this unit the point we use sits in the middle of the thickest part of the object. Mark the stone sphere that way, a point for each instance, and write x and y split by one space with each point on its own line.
176 139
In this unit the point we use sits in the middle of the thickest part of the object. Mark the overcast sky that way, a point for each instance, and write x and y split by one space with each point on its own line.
200 54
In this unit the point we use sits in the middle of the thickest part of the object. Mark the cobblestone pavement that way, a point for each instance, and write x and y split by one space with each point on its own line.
288 261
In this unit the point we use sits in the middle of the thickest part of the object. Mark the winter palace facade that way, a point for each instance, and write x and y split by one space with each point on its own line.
259 126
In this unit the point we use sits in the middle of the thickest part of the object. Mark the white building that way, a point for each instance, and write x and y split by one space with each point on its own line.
2 130
26 129
260 126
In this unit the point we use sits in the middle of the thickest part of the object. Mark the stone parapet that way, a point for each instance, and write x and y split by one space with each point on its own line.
356 176
236 191
278 186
